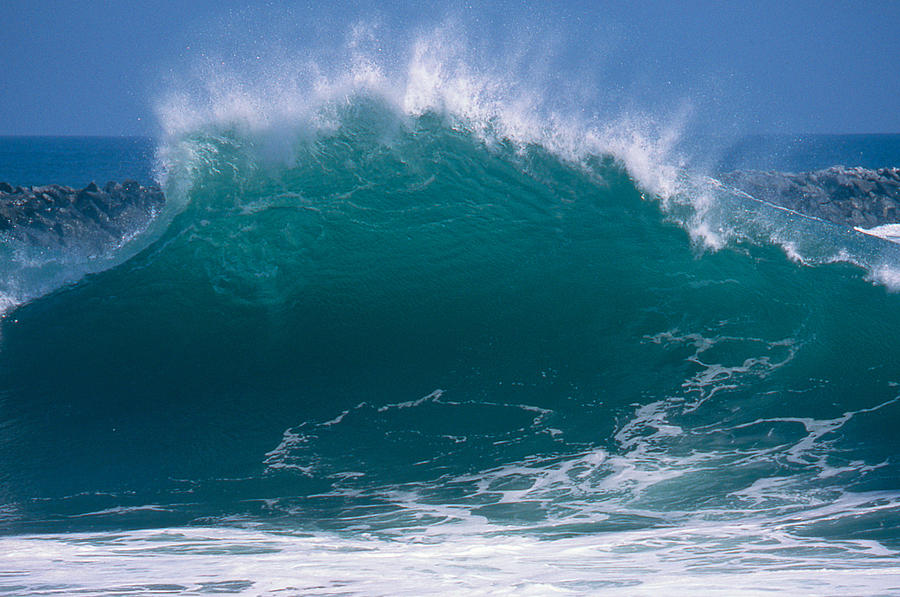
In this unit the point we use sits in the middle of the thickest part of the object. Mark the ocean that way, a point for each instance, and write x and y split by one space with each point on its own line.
425 345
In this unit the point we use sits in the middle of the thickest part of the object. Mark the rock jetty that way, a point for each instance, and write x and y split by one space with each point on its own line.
57 215
856 197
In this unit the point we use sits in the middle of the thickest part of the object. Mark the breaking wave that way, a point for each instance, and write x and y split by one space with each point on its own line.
396 316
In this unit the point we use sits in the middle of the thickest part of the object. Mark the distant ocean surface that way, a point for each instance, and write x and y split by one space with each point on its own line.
407 350
75 161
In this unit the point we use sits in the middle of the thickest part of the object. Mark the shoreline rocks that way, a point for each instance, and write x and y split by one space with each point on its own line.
56 214
855 197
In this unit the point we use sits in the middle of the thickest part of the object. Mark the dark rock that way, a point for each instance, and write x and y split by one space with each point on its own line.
54 215
848 196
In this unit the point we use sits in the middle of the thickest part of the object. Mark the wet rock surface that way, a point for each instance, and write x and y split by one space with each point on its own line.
55 215
848 196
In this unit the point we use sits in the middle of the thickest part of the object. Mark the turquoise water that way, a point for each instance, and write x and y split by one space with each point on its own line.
409 351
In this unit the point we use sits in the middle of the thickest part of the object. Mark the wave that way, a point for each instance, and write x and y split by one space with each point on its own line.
258 143
397 320
304 308
425 311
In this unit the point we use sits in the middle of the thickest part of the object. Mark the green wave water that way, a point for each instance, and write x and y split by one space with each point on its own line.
412 338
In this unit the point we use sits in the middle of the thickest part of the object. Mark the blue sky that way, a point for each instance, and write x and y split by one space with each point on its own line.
81 68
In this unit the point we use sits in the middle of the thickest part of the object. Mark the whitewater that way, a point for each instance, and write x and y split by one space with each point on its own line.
417 326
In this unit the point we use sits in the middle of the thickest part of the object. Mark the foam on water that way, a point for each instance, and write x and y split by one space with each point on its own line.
714 559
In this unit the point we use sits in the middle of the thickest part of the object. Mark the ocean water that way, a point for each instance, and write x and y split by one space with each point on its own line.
75 161
414 342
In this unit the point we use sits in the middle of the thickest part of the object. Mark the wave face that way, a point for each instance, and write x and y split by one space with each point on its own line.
417 344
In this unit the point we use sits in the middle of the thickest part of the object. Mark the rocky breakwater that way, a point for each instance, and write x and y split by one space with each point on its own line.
856 197
55 216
